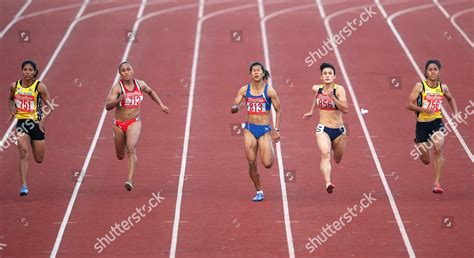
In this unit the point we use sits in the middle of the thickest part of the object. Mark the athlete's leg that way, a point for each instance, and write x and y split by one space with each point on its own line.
251 154
424 149
438 141
38 150
133 134
23 141
120 142
338 147
266 150
324 144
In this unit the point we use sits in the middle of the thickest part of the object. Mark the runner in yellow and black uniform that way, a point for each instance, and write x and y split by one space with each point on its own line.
27 97
426 99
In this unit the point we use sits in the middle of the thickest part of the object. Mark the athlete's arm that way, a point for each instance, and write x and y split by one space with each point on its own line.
238 100
11 99
412 100
154 96
340 101
313 106
114 97
450 98
276 105
43 91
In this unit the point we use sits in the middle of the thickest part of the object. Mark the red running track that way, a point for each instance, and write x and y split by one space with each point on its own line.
217 217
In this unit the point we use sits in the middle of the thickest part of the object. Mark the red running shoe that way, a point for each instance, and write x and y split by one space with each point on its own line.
437 189
330 187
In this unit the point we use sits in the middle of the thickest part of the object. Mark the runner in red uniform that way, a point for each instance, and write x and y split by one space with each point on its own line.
126 97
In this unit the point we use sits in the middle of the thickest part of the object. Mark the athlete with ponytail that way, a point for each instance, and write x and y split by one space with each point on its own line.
258 134
426 99
27 97
126 97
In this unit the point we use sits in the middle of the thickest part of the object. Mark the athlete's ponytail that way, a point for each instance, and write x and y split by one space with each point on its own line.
266 73
33 64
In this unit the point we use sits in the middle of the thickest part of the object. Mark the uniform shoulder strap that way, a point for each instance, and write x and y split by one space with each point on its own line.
121 87
137 84
37 83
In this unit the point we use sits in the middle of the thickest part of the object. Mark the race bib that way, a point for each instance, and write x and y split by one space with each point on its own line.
256 107
25 103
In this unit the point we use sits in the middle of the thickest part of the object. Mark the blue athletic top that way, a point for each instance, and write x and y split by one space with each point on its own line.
258 104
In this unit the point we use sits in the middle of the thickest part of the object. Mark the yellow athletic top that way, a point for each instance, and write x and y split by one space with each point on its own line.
430 98
28 101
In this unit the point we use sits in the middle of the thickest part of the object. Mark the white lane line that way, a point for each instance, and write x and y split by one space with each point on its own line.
79 19
15 18
266 51
461 31
197 42
419 72
140 18
378 165
51 60
89 154
189 112
453 20
441 8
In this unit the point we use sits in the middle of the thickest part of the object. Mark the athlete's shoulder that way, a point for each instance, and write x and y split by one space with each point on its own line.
243 89
316 87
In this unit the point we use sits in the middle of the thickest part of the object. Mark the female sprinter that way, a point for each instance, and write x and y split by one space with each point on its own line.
330 98
426 99
258 134
27 97
126 97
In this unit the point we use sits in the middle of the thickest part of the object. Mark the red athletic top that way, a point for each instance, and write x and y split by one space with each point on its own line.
132 98
323 101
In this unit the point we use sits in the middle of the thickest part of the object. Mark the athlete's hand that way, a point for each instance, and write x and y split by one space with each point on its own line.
308 115
427 110
234 109
165 109
275 136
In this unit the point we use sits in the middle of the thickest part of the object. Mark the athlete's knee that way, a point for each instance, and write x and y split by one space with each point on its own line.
325 154
131 149
338 159
120 156
437 151
267 164
24 153
425 161
39 160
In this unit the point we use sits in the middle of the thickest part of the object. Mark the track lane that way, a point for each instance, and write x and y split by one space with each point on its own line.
63 161
356 174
